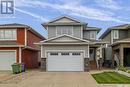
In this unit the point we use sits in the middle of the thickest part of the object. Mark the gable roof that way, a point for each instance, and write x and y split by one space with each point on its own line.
65 35
123 26
73 21
17 25
119 27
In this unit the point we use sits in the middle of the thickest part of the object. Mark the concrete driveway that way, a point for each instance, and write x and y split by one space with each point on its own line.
60 79
55 79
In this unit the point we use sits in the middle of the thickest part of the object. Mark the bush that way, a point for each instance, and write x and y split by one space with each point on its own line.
128 71
122 68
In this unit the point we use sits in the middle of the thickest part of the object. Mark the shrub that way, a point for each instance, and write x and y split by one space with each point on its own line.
122 68
128 71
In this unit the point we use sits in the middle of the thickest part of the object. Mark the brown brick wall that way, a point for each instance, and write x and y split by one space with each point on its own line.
32 38
30 58
21 36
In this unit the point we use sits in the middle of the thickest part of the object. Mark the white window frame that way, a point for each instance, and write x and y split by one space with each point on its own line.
62 31
93 33
115 34
4 38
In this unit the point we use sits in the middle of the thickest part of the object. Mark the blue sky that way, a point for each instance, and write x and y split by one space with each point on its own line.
97 13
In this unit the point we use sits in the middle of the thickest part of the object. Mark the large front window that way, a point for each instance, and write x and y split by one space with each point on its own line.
7 34
64 30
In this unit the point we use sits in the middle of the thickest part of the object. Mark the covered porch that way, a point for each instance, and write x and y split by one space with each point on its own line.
123 52
96 56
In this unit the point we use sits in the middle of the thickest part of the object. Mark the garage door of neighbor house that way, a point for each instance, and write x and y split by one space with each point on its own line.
65 61
7 58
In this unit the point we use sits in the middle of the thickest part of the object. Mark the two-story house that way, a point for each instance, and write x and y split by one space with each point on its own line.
119 38
71 45
17 46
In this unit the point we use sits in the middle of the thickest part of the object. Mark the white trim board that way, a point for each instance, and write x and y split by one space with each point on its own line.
25 36
46 51
67 36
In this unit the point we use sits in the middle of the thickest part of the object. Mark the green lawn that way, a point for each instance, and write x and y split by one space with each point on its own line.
111 78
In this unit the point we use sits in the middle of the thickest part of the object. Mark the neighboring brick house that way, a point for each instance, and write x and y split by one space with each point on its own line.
17 46
119 38
71 46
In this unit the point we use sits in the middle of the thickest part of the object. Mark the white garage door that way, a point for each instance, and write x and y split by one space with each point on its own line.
65 61
7 58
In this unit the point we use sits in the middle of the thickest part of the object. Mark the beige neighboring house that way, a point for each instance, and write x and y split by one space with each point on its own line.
119 38
71 46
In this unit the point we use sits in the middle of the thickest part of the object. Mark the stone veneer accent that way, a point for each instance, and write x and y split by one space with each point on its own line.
86 64
43 64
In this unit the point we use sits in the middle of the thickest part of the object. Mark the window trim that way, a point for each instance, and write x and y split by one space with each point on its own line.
115 32
91 35
12 39
54 54
65 53
76 53
62 31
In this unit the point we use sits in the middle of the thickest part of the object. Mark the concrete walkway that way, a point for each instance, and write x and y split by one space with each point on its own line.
58 79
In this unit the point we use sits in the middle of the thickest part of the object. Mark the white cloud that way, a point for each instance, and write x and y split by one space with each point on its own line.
32 14
110 4
77 9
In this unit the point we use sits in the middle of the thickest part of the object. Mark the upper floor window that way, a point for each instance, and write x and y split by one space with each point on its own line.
115 34
8 34
64 30
92 35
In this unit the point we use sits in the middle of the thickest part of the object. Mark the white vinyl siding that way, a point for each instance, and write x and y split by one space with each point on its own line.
92 35
77 31
8 34
64 30
115 34
51 31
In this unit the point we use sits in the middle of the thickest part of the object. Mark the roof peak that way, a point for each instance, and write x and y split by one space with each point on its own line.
65 16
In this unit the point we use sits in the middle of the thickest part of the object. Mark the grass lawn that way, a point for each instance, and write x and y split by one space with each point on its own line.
111 78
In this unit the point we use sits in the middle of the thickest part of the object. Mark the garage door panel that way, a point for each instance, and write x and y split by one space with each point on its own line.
65 62
7 58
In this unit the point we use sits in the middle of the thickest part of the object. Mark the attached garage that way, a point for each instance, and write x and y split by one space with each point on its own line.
65 61
65 53
7 58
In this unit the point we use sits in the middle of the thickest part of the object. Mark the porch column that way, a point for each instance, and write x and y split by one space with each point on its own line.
121 55
86 61
112 58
